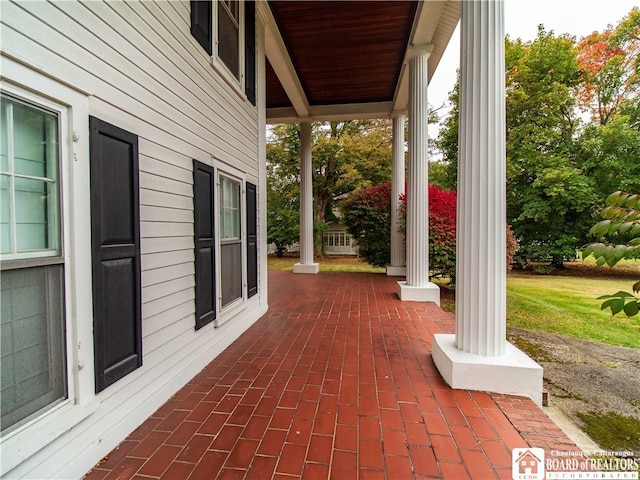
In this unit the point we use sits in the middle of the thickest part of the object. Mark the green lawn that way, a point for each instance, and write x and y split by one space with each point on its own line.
329 264
568 305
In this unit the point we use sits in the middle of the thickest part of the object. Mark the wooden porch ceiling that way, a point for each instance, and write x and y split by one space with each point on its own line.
345 59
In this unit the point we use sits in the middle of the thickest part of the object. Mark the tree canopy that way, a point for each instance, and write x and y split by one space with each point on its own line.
573 134
346 156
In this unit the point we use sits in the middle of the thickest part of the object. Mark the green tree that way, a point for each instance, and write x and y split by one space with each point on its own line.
610 62
444 173
346 156
283 180
549 196
610 92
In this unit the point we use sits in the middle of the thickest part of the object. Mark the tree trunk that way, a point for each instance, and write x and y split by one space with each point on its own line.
319 208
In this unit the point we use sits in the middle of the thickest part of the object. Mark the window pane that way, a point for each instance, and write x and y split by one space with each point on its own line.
229 209
33 140
5 215
31 215
29 219
4 162
229 39
231 270
33 361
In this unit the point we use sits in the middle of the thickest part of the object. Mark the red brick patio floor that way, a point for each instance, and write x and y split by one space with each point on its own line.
335 381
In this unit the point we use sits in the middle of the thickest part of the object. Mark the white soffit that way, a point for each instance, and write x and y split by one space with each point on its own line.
434 24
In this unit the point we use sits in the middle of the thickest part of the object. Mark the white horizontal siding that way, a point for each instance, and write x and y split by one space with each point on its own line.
154 276
166 244
144 72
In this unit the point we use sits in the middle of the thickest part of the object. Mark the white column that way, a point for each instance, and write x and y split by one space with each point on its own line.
478 356
398 257
306 264
417 286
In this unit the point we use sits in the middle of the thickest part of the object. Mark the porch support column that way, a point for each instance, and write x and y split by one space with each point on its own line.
397 267
306 264
478 357
417 286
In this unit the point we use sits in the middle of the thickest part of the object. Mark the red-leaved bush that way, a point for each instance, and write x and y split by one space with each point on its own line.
442 231
367 215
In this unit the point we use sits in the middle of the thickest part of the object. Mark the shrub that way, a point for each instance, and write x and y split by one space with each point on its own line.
442 231
367 215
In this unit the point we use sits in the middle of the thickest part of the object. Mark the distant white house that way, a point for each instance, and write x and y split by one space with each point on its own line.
336 240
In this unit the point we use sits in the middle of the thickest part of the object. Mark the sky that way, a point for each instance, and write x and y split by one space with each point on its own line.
522 17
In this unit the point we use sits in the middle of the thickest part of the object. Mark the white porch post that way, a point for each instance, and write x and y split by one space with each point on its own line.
417 286
478 357
398 257
306 264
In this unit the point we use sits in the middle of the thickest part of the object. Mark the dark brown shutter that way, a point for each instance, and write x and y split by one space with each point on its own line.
203 229
250 51
252 240
115 248
201 23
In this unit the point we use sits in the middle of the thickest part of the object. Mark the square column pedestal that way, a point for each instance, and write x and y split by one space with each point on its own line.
428 293
306 268
393 271
512 373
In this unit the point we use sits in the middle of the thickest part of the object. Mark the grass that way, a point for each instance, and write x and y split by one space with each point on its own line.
327 264
567 305
612 431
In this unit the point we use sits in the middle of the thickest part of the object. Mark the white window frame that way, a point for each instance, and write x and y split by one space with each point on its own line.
54 221
216 61
243 250
71 107
234 308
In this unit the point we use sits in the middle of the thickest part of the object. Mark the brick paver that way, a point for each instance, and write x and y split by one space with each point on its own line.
335 381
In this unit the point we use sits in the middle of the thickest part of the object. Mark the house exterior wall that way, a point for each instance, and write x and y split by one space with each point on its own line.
134 65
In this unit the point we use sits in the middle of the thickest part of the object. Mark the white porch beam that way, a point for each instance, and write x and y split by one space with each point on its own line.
397 267
331 113
478 357
306 264
434 24
280 60
417 286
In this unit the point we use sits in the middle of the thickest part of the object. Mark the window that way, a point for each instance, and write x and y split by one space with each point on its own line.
227 252
28 181
230 241
228 39
32 329
230 26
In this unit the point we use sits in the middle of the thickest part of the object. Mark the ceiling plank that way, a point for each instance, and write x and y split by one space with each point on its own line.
282 65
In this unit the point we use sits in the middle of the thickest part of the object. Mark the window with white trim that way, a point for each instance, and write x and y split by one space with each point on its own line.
228 35
231 251
226 30
32 287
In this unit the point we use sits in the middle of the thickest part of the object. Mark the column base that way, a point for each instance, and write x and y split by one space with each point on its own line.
428 293
396 271
512 373
306 268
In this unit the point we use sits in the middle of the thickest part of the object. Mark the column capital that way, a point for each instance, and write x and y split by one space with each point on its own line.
414 51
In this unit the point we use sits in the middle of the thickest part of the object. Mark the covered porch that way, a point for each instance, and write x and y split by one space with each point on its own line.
336 381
